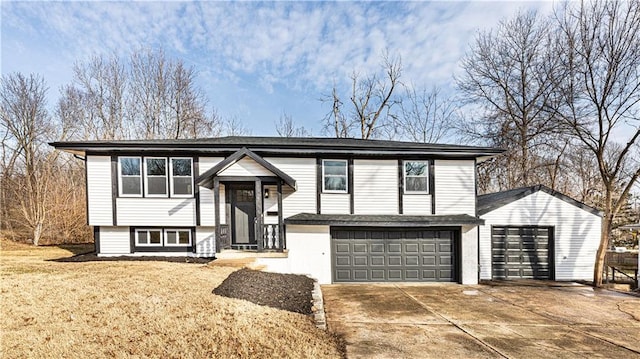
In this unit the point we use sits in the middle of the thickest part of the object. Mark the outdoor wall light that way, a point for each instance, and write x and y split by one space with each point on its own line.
266 193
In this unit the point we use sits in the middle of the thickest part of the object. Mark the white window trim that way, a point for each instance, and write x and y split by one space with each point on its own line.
171 176
177 230
146 178
346 168
120 176
161 244
404 178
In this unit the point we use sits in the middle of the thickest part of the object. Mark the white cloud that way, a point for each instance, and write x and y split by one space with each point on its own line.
297 46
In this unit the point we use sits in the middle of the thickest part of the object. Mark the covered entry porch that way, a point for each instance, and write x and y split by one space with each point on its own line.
250 189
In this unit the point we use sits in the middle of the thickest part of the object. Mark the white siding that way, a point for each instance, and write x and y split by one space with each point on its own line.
207 204
417 204
335 203
375 187
156 212
303 170
206 163
205 242
246 167
469 255
309 253
455 187
271 205
576 233
114 240
207 212
99 190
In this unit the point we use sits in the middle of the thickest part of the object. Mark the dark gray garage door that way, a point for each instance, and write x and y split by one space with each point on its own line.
383 254
522 252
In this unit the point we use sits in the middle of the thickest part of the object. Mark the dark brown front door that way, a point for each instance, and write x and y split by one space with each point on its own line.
243 214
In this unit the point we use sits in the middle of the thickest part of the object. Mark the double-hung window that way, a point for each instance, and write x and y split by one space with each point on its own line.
416 177
181 177
130 170
155 176
334 173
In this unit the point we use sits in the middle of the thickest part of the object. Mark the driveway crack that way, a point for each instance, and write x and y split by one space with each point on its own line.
449 320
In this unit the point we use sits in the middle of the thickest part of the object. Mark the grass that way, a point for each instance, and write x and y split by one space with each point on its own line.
138 309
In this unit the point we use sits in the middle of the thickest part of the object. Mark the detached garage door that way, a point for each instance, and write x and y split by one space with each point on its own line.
384 254
522 252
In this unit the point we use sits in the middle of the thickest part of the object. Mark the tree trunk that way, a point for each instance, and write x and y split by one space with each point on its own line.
37 234
599 268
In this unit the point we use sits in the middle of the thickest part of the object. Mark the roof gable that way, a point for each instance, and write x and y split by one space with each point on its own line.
206 179
491 201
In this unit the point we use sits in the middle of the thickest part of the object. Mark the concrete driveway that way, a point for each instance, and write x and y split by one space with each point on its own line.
485 321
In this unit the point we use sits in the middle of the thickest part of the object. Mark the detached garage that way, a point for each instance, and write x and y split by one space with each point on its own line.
537 233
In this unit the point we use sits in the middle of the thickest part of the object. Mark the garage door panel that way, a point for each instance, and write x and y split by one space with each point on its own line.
411 247
360 261
395 260
343 261
377 260
394 247
411 261
521 252
412 255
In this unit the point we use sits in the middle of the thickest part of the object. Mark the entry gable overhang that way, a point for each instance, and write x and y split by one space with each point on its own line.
491 201
396 220
206 179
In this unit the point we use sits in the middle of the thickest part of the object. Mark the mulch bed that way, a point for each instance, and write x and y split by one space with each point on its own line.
92 257
282 291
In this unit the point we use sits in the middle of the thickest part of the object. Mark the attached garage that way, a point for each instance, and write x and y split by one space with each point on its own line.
537 233
394 254
382 248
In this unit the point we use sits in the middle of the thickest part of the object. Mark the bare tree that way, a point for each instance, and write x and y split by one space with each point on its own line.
165 102
371 99
601 93
287 128
25 175
425 116
99 95
234 127
510 75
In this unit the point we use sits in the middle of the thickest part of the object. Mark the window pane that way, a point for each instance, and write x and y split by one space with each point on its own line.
415 168
171 237
181 167
156 166
155 237
181 185
131 185
335 168
184 237
142 237
416 184
335 183
157 185
130 166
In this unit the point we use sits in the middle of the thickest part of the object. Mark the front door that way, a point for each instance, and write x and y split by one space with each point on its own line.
243 215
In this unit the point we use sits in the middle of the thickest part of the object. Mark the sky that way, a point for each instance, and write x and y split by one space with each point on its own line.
254 60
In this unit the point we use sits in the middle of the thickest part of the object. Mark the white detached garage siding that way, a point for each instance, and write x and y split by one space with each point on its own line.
574 228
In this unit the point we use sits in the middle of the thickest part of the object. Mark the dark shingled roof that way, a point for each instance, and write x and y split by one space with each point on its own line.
275 145
492 201
396 220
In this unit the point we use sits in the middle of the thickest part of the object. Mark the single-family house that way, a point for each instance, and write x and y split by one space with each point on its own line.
340 210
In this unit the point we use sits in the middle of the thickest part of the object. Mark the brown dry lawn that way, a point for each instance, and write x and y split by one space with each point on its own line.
138 309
